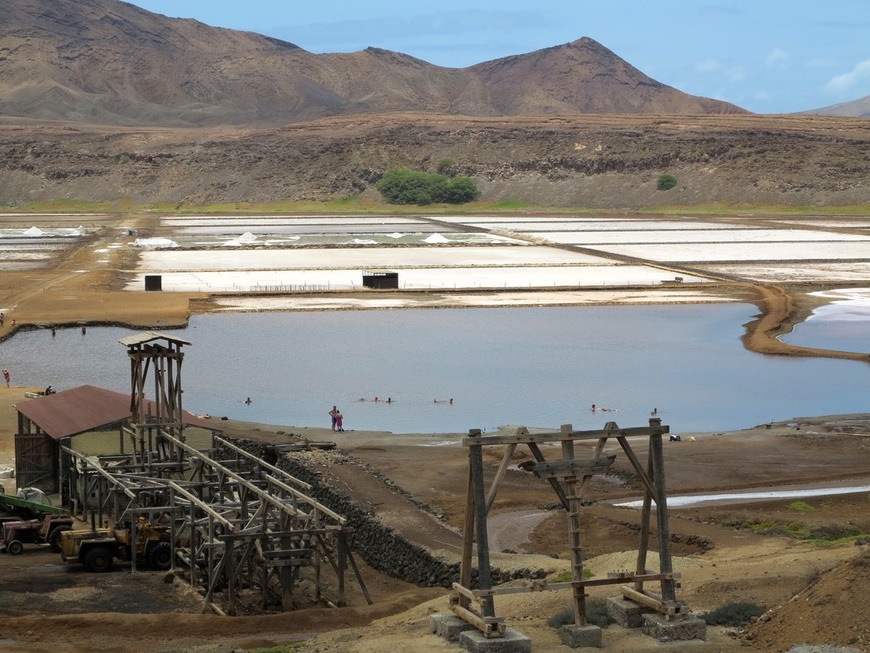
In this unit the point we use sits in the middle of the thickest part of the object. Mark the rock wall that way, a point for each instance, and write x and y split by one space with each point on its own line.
381 547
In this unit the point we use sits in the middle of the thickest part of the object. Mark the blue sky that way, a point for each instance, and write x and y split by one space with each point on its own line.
768 56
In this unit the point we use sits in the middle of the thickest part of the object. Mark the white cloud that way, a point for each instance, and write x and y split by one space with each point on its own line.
777 59
708 66
846 81
821 62
736 74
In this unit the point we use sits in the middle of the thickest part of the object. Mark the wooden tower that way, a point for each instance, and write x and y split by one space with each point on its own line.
160 356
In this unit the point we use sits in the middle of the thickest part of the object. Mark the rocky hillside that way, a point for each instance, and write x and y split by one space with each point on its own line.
605 161
108 62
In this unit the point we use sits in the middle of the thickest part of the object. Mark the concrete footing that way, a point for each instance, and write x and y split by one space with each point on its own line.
448 626
473 641
626 613
580 636
673 630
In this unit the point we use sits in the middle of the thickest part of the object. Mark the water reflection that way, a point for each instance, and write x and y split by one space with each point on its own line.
843 324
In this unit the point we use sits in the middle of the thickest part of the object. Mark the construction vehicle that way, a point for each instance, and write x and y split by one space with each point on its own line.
97 548
35 531
24 506
29 521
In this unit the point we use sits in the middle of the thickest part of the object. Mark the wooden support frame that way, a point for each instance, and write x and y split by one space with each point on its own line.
568 477
237 522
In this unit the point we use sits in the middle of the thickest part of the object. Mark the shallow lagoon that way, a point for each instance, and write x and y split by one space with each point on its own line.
539 367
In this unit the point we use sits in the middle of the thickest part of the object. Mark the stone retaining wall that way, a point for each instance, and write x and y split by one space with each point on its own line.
380 546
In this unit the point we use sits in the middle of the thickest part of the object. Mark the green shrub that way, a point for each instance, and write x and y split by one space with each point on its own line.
567 576
666 182
800 506
459 190
596 614
403 186
733 614
561 618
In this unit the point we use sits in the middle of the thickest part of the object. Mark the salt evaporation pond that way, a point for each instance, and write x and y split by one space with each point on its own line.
538 367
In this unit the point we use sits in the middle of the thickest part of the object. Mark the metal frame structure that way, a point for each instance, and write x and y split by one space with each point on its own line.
568 477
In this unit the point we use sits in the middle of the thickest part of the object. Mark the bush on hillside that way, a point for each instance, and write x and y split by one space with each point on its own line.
402 186
666 182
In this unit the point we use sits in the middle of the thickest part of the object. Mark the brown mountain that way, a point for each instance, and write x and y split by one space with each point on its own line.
859 108
108 62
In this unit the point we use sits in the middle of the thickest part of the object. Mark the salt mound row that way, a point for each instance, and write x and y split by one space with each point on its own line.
436 238
154 243
34 232
245 239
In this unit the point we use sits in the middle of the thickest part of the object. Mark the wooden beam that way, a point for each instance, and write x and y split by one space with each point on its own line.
542 438
491 627
543 586
566 468
554 482
500 473
652 601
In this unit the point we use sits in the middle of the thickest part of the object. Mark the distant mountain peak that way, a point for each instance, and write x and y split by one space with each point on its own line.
859 108
113 62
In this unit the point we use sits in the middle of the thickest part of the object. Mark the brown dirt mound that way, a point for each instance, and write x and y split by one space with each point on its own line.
834 609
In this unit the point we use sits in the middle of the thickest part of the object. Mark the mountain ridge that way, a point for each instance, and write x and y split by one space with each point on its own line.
858 108
109 62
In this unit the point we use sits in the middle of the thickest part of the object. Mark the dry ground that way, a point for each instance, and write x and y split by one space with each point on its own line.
731 552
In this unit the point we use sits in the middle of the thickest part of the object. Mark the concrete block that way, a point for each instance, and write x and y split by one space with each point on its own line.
580 636
448 626
627 614
473 641
677 629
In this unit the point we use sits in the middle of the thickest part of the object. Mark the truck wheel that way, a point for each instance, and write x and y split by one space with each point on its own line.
160 556
54 537
98 560
15 547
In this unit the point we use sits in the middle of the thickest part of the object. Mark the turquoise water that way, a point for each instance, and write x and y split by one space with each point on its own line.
533 366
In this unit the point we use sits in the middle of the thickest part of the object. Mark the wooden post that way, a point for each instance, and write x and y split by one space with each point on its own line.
578 593
658 465
484 573
468 529
643 545
341 539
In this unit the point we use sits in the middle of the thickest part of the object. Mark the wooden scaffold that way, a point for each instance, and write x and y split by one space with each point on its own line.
568 476
237 522
161 355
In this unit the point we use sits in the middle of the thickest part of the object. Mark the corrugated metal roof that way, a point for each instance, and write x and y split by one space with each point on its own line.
148 336
86 408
